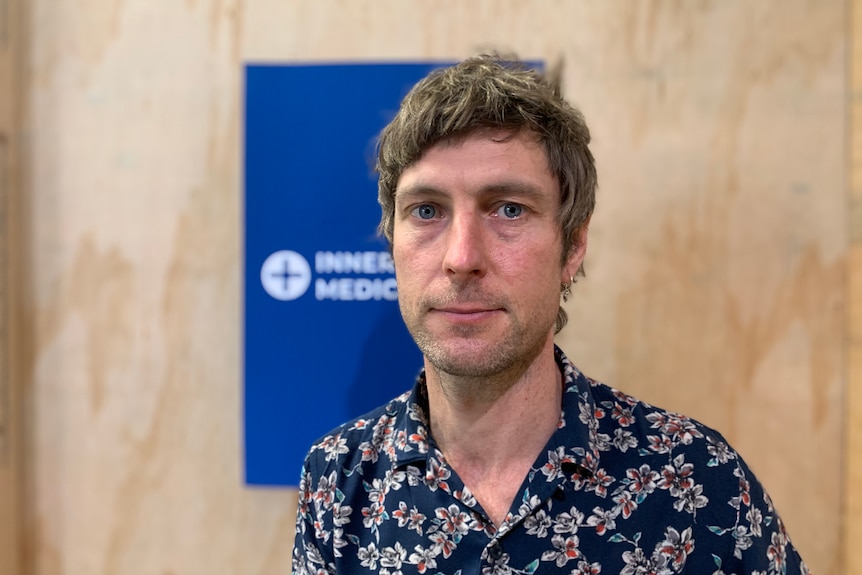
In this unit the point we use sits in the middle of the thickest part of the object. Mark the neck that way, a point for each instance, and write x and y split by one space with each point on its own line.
491 438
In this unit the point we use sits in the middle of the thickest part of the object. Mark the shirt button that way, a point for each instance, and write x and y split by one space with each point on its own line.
495 552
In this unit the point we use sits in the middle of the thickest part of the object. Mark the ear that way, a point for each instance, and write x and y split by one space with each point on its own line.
577 254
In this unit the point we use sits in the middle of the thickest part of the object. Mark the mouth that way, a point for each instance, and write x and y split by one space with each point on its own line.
464 309
466 313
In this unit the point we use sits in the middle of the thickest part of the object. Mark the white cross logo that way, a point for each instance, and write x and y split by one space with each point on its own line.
285 275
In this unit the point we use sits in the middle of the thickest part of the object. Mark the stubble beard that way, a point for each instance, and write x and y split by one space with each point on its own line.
483 366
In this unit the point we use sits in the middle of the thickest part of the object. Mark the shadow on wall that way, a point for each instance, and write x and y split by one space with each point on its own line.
388 366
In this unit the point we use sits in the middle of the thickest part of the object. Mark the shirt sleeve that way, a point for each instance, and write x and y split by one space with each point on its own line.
759 543
310 550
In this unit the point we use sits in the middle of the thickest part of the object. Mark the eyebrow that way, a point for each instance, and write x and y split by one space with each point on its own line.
418 190
502 188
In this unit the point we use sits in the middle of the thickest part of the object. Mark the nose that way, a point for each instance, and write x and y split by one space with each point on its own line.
466 255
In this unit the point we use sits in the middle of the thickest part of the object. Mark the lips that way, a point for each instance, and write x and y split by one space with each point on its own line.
465 314
465 310
469 305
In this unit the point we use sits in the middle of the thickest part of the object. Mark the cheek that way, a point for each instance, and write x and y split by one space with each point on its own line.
408 269
541 262
413 254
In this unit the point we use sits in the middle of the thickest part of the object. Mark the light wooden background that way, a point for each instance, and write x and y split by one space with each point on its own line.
11 384
724 269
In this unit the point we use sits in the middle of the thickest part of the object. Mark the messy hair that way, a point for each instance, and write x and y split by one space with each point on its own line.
492 91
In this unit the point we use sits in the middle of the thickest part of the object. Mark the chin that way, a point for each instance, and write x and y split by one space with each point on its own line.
471 358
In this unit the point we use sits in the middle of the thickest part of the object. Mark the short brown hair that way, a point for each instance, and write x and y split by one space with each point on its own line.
491 91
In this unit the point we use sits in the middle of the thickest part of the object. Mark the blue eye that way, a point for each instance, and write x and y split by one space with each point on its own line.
425 212
510 211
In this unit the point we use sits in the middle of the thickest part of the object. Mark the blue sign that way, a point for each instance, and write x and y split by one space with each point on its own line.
324 339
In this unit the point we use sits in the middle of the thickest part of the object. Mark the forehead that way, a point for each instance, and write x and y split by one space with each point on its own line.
480 158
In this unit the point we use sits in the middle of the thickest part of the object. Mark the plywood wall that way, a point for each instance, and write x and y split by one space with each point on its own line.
715 275
11 440
853 416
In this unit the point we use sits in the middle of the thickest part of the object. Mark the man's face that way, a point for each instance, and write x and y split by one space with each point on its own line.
477 249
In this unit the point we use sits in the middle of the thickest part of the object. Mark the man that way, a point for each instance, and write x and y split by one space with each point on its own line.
504 458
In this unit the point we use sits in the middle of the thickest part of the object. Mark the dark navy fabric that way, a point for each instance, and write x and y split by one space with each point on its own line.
621 487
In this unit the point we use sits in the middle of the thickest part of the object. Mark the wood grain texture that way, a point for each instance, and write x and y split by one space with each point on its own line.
11 407
715 275
721 255
852 536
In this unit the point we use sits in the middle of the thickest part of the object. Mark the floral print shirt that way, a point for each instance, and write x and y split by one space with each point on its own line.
621 487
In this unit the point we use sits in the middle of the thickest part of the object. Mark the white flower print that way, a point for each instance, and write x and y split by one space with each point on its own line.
377 496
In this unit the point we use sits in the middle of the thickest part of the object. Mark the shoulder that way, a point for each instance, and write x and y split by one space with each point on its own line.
641 446
628 437
652 430
370 427
690 471
374 440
